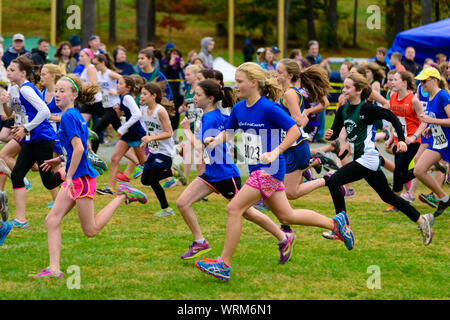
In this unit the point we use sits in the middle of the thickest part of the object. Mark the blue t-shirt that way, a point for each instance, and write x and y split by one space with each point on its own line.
74 125
261 125
44 131
435 109
302 105
158 76
219 165
125 68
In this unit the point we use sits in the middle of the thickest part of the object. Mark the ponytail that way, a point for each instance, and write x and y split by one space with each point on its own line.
315 80
86 91
106 59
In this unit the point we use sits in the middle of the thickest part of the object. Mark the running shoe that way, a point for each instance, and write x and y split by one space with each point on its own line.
46 274
93 135
4 168
19 225
100 171
307 175
132 194
164 213
95 160
171 183
50 205
441 207
349 193
215 268
343 230
196 249
330 235
179 173
286 247
4 231
138 171
28 186
123 177
105 191
439 167
317 166
327 162
260 205
4 205
285 228
408 197
426 228
429 199
390 208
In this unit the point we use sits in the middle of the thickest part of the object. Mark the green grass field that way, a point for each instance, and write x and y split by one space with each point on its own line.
137 256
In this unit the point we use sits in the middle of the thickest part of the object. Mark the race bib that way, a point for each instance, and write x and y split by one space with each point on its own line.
21 119
190 112
252 148
153 145
123 120
105 97
439 139
403 122
206 157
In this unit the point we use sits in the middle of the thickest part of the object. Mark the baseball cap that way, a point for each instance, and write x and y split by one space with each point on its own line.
260 50
275 49
18 37
428 72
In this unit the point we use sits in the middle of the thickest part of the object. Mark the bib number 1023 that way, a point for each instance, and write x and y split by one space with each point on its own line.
252 148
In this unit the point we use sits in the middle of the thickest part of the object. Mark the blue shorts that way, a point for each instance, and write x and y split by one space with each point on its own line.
134 144
428 140
158 160
297 158
445 153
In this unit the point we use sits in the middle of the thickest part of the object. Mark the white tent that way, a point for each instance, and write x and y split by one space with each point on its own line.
227 69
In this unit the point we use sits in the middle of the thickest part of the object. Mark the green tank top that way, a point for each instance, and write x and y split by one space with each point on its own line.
360 134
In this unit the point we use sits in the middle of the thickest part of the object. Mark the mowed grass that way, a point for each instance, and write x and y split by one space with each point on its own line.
137 256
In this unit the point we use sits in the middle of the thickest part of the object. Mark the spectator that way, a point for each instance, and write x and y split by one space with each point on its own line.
39 54
295 54
314 57
199 61
75 42
276 54
408 62
172 68
248 50
15 50
120 61
267 60
94 44
380 58
258 54
3 76
64 59
190 57
207 46
396 61
440 58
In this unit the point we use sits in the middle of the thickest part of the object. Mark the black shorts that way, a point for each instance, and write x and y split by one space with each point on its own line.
227 188
8 123
95 108
311 131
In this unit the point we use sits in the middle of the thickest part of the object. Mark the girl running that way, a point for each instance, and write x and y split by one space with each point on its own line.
32 127
130 132
260 121
221 174
79 187
438 118
160 142
107 78
358 117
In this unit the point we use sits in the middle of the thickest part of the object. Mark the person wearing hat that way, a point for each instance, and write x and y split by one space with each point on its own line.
94 45
75 42
15 50
276 53
258 54
437 117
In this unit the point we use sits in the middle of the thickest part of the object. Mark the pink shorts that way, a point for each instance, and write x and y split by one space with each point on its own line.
265 183
83 187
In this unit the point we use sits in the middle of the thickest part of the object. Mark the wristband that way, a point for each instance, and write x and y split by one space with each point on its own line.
414 135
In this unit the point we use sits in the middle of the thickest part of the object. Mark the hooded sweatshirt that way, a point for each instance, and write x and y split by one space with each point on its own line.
204 54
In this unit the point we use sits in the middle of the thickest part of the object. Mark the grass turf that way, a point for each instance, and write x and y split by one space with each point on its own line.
137 256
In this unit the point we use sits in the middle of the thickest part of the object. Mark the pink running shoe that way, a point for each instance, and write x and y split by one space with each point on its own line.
46 274
132 194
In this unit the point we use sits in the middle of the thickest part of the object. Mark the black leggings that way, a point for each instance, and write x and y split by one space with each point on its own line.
402 160
31 153
151 177
354 171
109 117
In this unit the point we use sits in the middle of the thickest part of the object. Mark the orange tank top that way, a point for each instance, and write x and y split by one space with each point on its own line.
404 110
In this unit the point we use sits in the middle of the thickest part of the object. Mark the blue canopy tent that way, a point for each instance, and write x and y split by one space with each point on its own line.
427 40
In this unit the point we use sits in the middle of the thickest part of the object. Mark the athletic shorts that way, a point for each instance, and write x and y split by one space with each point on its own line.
311 131
297 158
95 108
428 140
83 187
445 153
132 144
8 123
158 160
264 182
227 188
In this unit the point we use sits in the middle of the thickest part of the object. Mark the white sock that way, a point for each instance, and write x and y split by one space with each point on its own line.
200 241
444 199
25 181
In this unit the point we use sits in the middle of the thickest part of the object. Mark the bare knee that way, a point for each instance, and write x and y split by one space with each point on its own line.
233 211
183 204
52 222
90 232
